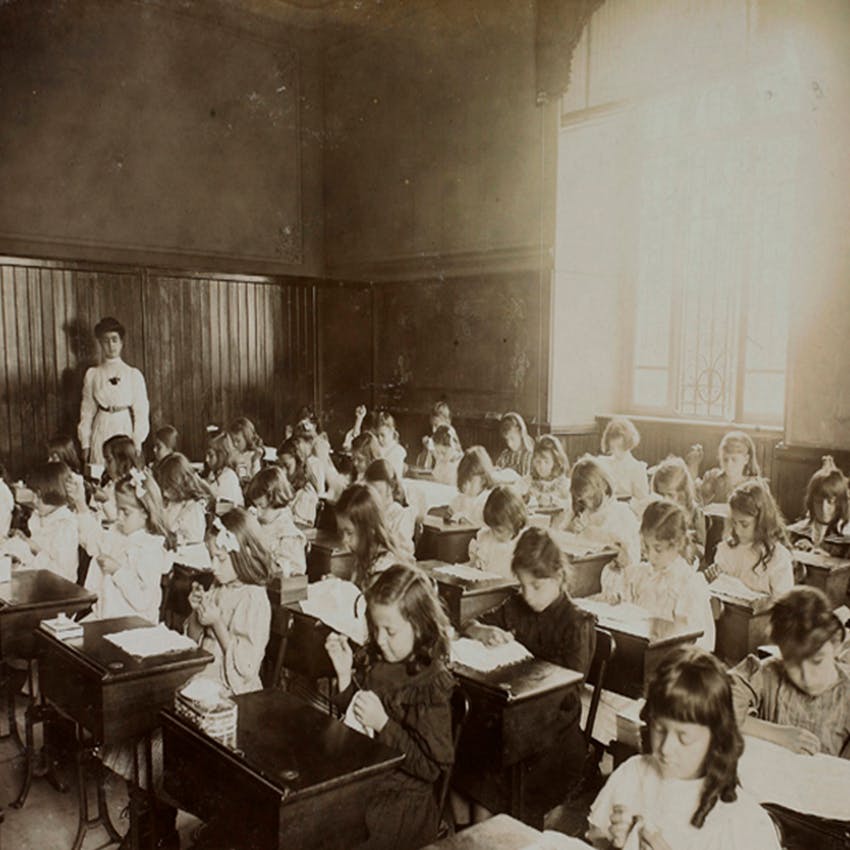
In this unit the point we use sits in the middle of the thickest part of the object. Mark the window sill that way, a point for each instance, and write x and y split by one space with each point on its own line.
778 430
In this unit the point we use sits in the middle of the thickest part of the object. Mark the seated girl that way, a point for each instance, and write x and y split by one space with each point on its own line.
270 495
684 794
62 448
441 420
518 445
754 550
672 480
119 457
505 518
165 440
399 690
619 438
666 585
597 516
474 483
737 462
247 448
549 486
800 700
446 457
364 533
220 470
232 619
365 450
400 518
391 449
305 494
827 512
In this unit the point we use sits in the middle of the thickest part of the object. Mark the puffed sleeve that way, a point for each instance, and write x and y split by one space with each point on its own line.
249 634
138 579
748 682
59 549
694 607
88 409
141 409
304 506
780 571
622 788
421 728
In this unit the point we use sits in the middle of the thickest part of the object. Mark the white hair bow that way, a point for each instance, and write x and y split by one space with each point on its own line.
137 476
225 538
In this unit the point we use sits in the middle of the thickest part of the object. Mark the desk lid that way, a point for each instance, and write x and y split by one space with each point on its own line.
296 748
29 589
814 558
523 680
454 577
111 662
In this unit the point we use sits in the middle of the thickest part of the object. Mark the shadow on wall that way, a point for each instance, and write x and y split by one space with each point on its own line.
83 349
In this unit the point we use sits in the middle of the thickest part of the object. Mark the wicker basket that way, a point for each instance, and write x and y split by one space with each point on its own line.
218 721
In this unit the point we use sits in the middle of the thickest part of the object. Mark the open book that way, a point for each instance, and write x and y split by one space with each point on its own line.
730 587
467 573
340 605
475 655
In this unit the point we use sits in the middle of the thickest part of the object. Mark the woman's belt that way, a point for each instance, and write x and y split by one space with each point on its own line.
115 408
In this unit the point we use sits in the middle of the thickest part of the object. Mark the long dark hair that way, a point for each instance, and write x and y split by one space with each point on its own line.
691 686
413 592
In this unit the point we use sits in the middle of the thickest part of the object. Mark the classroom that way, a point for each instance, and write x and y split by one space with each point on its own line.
424 424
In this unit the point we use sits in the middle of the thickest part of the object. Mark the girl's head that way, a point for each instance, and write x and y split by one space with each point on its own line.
549 459
269 489
441 415
754 519
120 456
538 566
505 514
244 435
109 332
385 429
664 532
737 456
164 442
381 475
672 480
619 437
808 634
178 480
303 442
360 523
139 502
365 450
443 443
406 620
475 471
237 550
590 486
514 433
50 482
220 452
692 727
62 448
826 496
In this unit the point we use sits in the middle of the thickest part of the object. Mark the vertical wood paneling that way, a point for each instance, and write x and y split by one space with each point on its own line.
210 348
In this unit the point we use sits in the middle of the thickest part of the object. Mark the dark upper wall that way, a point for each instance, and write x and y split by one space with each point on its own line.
434 152
182 134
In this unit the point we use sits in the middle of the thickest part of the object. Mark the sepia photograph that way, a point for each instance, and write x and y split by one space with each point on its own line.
425 424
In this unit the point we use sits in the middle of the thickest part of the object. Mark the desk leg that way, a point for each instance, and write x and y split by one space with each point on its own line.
281 653
87 756
10 688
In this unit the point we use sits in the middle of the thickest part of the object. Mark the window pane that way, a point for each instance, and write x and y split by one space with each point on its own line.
650 387
764 394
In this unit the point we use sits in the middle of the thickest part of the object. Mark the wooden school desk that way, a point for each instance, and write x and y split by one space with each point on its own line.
508 724
302 649
584 568
742 626
445 541
112 696
464 599
326 555
30 597
639 646
825 572
298 778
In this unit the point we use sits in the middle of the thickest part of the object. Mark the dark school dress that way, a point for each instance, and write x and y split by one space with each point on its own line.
403 811
565 635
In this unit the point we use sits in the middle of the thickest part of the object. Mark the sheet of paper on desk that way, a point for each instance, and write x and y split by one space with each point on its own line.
733 588
477 656
624 612
338 604
466 573
578 546
157 640
814 785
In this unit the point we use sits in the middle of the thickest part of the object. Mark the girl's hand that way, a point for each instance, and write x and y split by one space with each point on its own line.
652 839
797 740
369 710
342 657
360 412
76 490
620 825
108 564
494 636
711 572
804 544
208 613
196 596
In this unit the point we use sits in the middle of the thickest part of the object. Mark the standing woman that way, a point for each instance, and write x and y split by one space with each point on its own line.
115 399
